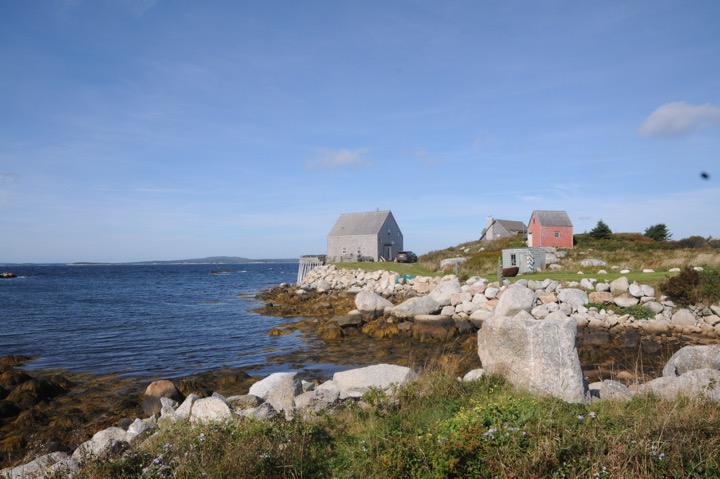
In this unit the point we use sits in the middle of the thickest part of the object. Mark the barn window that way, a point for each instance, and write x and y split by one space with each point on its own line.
513 260
557 234
388 231
358 250
344 250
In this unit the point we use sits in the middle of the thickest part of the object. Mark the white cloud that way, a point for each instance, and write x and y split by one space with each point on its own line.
679 119
335 159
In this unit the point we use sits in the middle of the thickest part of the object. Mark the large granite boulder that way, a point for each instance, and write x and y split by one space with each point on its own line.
416 306
515 299
539 356
278 390
356 382
370 302
692 357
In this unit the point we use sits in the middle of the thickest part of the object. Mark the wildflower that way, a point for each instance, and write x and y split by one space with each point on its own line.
580 417
592 415
201 437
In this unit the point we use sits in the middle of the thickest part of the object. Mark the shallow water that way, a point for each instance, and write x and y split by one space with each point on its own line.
141 320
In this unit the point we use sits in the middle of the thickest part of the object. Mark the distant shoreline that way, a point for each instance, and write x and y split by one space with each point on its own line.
200 261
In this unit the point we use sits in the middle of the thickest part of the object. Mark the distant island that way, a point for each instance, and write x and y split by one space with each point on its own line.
208 260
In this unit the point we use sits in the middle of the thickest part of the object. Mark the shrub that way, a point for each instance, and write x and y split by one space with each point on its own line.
692 287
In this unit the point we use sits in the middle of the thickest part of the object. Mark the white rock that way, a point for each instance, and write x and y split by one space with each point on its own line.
474 375
106 443
620 285
515 299
683 317
689 358
279 390
356 382
209 409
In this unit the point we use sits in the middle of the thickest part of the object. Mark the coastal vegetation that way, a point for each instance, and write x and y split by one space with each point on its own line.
439 427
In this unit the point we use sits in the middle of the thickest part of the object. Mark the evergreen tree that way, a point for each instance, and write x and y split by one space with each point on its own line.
601 231
658 232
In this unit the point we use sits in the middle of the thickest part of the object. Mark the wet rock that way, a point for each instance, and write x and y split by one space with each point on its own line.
330 331
380 329
433 332
244 401
155 391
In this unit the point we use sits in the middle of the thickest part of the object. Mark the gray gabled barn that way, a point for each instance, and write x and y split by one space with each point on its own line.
355 236
495 229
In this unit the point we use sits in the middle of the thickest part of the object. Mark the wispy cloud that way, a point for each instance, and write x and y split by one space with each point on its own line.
9 177
426 158
679 118
337 159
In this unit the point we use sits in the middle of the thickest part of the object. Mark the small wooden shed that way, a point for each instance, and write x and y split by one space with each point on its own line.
528 260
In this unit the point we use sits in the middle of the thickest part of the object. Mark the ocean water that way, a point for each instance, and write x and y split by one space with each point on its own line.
141 320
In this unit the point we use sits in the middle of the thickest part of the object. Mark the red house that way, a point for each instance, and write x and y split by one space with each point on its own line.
550 228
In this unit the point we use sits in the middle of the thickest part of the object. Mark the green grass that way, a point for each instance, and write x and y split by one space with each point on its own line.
566 276
415 269
437 427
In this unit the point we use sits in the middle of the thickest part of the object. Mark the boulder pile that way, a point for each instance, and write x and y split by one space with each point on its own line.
278 394
440 307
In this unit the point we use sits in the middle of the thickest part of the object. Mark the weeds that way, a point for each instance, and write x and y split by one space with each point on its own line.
438 427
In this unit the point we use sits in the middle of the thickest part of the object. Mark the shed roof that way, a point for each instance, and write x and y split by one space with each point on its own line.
511 225
552 218
359 223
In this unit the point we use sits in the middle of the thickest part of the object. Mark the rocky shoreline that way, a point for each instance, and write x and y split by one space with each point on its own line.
361 318
351 306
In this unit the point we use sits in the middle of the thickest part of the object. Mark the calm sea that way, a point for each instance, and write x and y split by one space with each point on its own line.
141 320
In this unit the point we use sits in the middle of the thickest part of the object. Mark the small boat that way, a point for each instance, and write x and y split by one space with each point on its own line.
510 272
7 274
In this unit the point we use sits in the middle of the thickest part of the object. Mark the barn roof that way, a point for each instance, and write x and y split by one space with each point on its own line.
552 218
359 223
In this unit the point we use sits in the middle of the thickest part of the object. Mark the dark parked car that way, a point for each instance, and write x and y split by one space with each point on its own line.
405 257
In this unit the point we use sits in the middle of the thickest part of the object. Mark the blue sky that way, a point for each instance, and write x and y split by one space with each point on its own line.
154 129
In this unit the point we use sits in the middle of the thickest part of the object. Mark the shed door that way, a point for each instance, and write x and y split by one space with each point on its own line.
529 243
